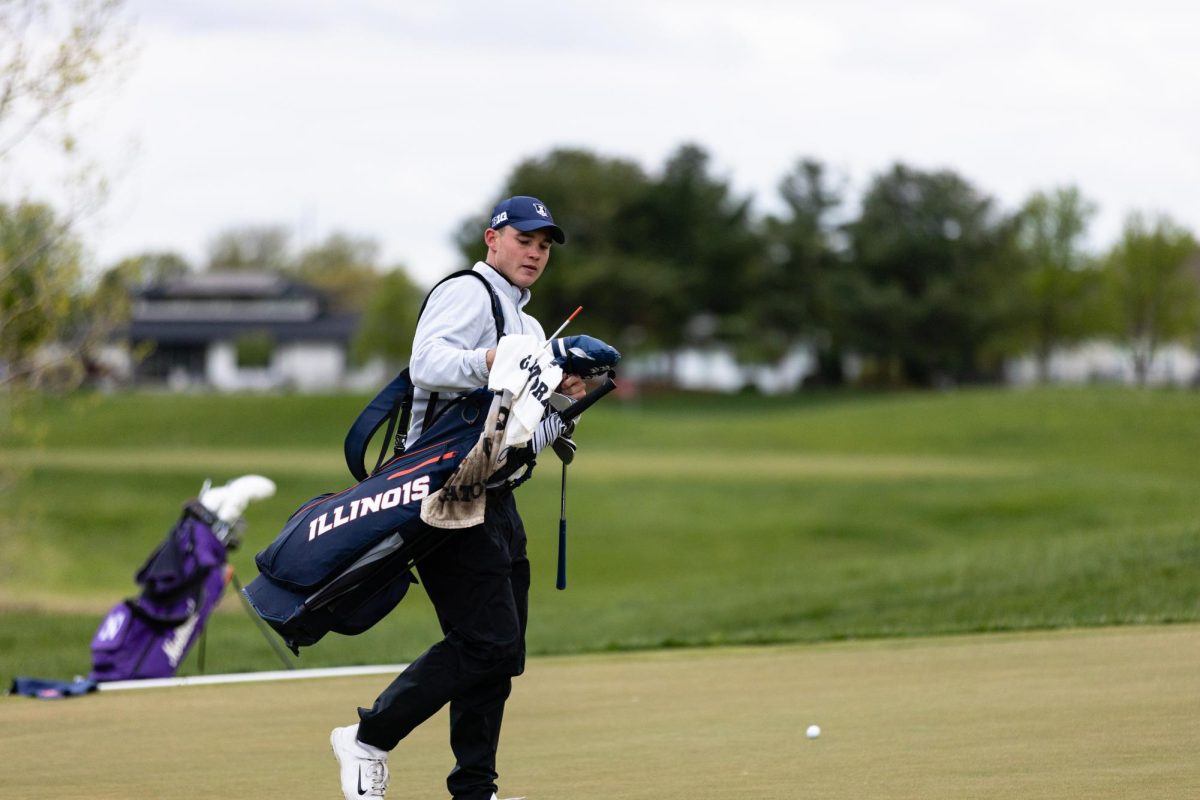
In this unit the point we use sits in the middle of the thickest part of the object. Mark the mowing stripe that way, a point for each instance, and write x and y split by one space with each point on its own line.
598 465
253 677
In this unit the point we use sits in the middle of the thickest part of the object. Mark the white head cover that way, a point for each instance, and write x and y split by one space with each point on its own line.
228 502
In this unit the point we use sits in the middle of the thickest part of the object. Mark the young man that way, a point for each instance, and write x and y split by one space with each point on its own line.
478 580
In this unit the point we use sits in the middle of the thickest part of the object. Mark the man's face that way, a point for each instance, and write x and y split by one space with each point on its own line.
517 255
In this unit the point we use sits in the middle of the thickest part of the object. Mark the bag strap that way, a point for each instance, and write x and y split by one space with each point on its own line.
497 316
393 404
497 311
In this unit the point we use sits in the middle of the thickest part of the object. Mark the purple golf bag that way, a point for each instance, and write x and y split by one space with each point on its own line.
182 581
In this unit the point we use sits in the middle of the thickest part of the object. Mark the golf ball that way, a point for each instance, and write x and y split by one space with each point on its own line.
813 731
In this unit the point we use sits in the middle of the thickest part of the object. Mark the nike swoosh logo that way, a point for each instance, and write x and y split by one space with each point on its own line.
361 790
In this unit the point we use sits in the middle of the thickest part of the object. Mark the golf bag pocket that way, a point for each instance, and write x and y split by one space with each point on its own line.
129 645
327 534
110 656
303 619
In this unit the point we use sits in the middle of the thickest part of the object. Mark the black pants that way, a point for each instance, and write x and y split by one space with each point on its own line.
479 584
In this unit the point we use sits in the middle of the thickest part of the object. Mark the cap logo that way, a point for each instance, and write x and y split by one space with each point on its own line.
540 209
501 217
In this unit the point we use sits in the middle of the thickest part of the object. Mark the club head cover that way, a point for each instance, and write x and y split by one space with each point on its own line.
228 502
585 356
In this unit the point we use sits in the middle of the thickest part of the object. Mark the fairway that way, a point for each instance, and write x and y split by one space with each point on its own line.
1101 713
693 520
682 464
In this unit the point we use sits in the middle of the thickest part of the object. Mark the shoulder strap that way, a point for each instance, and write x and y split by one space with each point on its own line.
497 311
393 404
497 316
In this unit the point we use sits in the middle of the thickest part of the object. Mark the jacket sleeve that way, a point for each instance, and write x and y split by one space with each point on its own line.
453 336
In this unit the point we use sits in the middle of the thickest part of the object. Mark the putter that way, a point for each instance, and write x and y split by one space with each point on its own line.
569 413
560 582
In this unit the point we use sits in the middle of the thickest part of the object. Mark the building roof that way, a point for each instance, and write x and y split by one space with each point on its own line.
227 285
340 328
205 307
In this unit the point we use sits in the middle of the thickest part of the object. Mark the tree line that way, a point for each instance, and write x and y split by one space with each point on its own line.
926 281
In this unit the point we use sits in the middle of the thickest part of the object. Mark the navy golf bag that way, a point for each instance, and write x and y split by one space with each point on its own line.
343 561
182 581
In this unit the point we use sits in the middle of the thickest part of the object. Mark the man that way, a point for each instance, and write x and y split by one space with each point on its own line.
478 580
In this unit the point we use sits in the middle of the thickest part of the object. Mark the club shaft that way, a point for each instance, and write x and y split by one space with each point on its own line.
560 581
585 402
566 322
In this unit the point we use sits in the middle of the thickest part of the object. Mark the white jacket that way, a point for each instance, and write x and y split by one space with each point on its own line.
449 353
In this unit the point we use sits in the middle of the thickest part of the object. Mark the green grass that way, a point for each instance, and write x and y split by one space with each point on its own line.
693 521
1070 715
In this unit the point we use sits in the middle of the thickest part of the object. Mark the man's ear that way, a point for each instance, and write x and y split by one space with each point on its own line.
490 235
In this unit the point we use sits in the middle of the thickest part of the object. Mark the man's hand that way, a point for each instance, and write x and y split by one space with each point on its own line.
585 356
573 387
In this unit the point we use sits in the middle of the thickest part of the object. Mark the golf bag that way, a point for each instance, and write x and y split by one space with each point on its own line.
343 561
182 581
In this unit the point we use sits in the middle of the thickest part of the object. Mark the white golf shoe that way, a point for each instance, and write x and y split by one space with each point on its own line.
364 768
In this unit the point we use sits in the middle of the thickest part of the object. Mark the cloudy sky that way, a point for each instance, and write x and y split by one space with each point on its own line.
396 120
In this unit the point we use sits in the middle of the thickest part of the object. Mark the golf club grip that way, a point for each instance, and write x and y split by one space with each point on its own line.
584 403
561 581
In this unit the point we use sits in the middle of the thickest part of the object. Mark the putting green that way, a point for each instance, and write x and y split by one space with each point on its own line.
1104 713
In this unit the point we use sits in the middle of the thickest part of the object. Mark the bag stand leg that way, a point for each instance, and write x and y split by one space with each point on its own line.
262 626
201 649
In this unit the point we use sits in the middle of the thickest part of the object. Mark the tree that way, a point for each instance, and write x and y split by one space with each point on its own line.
930 295
793 294
39 289
656 262
51 54
627 296
691 222
251 247
1151 286
1062 279
150 267
390 319
110 300
344 267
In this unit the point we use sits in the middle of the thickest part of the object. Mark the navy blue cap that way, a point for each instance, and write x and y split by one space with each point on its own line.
526 214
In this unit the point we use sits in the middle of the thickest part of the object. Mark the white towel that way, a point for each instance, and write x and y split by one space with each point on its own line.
507 372
527 369
461 502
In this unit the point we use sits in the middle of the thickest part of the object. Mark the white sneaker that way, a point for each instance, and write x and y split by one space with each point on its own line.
364 768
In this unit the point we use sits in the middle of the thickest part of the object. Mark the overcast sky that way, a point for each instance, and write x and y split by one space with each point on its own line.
396 120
